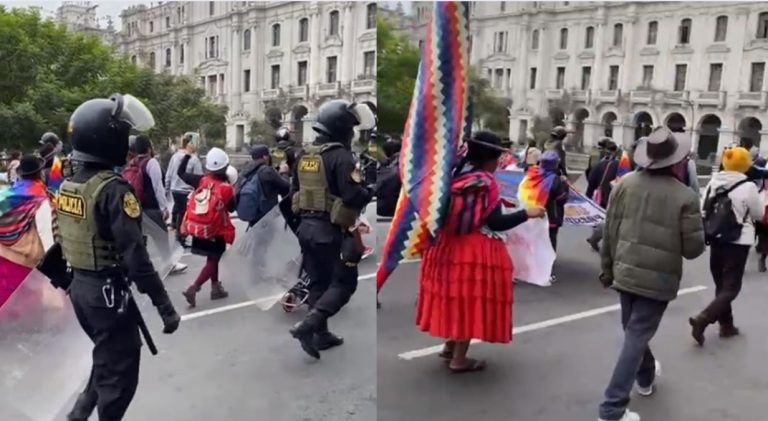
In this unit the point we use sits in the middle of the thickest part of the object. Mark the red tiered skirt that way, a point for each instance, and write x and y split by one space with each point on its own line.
465 289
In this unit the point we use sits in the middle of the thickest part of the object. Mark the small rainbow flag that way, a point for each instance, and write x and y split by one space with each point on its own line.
535 187
438 119
625 165
56 177
18 206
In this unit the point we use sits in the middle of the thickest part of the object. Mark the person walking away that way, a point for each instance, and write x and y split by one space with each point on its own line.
259 187
599 187
558 196
207 220
557 137
596 155
531 156
144 174
328 197
178 188
13 166
465 280
388 182
732 205
653 222
761 229
101 239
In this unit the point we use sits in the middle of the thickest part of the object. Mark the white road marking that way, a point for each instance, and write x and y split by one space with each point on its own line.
368 276
418 353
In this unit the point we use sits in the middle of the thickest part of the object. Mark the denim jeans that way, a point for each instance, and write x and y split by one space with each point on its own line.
640 318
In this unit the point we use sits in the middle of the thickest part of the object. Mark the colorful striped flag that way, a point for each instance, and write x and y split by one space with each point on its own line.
535 187
56 177
18 206
438 119
625 166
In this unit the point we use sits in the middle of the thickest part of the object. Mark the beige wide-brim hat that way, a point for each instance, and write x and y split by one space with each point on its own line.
662 148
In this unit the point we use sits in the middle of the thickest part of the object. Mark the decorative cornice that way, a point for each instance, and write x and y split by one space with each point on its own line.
561 55
301 49
649 51
275 54
718 48
368 36
586 55
682 49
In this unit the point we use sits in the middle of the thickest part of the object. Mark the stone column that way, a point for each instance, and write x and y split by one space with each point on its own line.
592 131
348 54
597 78
727 136
694 139
235 78
628 47
314 67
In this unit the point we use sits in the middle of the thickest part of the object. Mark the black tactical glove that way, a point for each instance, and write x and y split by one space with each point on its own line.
171 319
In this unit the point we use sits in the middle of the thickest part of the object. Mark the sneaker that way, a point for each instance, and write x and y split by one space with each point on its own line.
628 416
552 279
648 391
178 268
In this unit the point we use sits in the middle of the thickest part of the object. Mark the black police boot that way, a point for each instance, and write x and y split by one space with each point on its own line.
305 330
324 339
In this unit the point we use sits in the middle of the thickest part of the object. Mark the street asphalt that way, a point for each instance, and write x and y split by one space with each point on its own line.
231 361
567 340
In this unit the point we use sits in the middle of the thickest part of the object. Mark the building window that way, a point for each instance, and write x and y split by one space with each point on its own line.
715 75
647 75
680 73
503 6
756 80
509 78
653 28
721 28
500 42
613 78
151 26
564 38
560 81
762 25
181 54
247 80
212 85
532 79
586 76
213 47
152 60
211 7
133 59
303 30
589 37
275 81
535 40
247 40
618 35
685 32
331 63
334 23
221 84
369 63
370 17
302 73
167 22
178 14
167 57
276 35
498 81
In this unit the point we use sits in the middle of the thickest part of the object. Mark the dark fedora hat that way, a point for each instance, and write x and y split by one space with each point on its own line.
29 165
487 140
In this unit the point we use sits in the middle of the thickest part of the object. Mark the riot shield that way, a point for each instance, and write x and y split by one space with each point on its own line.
45 355
265 260
163 249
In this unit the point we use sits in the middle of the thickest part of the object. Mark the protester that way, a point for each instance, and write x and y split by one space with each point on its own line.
531 156
557 197
597 154
465 281
178 188
144 174
260 187
653 221
557 137
207 219
388 182
600 182
731 206
761 229
13 165
691 174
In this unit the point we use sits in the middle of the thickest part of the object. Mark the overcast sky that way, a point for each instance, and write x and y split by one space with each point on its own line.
105 8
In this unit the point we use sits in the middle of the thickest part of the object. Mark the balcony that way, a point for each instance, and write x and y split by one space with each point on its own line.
676 97
270 94
581 95
363 86
300 92
607 96
716 99
555 94
328 89
640 97
752 99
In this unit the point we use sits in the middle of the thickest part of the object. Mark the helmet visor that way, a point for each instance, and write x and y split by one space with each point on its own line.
364 115
136 114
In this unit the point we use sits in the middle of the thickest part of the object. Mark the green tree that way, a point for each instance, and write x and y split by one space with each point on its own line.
398 66
489 111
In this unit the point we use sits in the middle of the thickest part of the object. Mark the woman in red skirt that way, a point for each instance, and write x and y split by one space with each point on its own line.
465 284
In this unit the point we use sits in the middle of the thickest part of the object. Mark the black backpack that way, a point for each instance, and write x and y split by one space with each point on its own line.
720 223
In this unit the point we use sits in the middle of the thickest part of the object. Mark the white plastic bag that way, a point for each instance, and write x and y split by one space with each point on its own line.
531 252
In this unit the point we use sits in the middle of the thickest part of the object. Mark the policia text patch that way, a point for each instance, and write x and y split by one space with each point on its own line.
310 165
71 205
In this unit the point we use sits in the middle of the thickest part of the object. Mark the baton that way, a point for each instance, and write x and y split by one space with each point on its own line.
142 324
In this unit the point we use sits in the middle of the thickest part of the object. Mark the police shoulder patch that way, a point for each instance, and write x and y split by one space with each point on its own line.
131 206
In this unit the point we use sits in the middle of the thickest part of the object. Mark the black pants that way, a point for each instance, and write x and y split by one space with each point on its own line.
116 352
177 214
332 282
726 262
553 237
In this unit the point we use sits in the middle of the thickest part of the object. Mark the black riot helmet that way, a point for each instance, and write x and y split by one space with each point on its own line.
283 135
99 128
50 137
338 119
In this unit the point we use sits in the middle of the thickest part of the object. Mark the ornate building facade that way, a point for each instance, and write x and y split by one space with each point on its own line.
264 60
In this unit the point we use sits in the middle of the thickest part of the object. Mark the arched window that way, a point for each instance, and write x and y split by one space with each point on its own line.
333 23
589 37
762 25
247 40
370 18
167 57
535 40
685 32
133 59
721 28
152 60
653 29
303 30
276 35
564 38
618 35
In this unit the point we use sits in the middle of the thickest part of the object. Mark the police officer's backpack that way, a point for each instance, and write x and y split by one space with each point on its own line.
251 202
720 223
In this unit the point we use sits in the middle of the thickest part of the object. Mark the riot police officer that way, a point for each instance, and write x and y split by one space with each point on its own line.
101 239
329 197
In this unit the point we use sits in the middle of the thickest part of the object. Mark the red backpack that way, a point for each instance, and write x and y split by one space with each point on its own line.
134 174
206 216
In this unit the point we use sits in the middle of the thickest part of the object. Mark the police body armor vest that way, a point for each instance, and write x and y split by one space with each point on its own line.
314 194
81 243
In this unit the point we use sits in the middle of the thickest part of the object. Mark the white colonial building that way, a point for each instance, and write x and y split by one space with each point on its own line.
627 66
261 58
80 16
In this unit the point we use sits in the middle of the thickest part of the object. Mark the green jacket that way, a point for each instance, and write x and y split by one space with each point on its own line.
653 222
